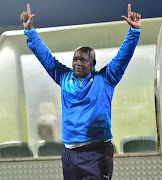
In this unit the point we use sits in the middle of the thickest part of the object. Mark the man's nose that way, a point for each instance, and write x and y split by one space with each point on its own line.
78 62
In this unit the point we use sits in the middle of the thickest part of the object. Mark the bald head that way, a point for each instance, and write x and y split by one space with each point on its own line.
90 52
83 61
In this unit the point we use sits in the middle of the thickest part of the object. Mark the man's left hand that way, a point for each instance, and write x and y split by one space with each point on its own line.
133 19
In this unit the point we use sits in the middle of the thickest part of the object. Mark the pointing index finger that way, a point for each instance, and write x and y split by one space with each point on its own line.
129 9
28 9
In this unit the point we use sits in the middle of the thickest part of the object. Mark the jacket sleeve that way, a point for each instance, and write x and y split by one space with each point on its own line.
54 68
114 71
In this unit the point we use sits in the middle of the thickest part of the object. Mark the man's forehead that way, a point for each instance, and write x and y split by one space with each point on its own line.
81 53
87 50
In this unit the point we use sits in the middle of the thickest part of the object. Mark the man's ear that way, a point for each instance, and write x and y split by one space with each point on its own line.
93 62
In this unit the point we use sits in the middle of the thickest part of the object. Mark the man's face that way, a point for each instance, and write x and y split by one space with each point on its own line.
82 65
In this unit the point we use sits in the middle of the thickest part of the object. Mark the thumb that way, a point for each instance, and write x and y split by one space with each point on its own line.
124 17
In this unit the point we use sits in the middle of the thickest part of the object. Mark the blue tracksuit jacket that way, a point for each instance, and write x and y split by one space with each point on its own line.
86 104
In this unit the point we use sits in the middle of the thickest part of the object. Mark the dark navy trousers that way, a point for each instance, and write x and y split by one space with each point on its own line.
88 163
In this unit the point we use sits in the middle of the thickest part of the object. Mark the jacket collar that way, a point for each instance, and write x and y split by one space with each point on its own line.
88 76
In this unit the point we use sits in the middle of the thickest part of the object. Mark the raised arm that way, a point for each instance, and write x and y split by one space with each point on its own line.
55 69
114 71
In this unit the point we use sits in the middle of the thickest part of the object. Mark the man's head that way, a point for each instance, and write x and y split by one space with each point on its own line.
83 61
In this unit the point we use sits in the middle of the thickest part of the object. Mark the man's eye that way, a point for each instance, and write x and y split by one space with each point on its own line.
74 59
84 60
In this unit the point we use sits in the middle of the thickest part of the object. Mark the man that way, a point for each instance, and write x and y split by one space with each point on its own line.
86 100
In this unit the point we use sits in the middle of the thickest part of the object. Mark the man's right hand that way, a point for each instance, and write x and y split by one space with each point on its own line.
133 19
27 18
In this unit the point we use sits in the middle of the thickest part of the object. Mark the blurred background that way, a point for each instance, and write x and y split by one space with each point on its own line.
52 13
30 103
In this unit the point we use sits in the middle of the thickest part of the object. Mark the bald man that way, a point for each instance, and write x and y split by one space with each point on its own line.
86 100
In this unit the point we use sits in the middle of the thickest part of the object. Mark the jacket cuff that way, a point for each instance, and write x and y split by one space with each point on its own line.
135 30
31 33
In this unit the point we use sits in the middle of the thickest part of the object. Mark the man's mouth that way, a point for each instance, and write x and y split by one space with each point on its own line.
78 69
